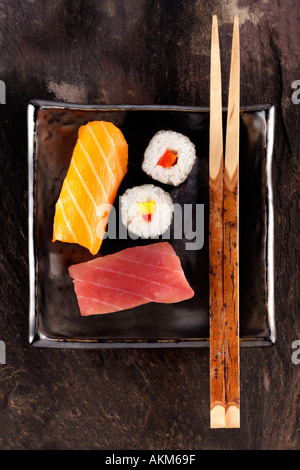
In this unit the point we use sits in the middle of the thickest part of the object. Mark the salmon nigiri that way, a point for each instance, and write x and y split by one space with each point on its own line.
97 168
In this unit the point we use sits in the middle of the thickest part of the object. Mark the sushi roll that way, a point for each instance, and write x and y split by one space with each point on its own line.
146 211
169 157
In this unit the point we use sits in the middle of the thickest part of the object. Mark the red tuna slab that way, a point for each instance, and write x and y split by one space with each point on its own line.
129 278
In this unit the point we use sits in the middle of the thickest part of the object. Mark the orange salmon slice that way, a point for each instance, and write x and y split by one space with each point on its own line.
97 168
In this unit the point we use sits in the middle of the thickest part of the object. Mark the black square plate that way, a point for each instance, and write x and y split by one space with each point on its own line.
55 320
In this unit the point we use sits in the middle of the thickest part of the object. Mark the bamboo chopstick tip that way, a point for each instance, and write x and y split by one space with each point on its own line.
236 22
217 417
232 416
214 22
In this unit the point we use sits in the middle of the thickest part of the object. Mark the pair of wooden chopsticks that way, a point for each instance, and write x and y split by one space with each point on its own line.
224 239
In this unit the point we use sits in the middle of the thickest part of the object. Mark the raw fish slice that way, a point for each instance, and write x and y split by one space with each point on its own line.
129 278
98 165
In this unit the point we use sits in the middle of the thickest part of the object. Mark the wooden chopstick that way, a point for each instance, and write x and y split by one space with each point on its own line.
216 311
231 238
224 240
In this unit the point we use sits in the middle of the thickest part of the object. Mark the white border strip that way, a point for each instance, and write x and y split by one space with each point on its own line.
31 254
270 241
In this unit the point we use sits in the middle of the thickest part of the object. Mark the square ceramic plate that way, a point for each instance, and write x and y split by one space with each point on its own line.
55 320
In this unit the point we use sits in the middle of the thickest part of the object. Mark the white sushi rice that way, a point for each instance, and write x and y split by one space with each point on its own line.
177 143
132 217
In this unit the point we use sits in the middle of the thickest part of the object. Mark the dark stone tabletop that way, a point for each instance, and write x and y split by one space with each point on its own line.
144 52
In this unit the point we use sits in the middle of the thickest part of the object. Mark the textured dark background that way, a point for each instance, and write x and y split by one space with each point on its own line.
143 52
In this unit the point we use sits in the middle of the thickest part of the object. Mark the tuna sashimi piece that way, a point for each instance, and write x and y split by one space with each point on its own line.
98 165
129 278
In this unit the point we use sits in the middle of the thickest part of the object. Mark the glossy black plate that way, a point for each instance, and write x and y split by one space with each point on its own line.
55 319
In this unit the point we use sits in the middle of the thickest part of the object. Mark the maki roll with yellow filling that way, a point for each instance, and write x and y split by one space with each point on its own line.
147 210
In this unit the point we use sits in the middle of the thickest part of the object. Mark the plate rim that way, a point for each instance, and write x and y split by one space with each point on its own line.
38 339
